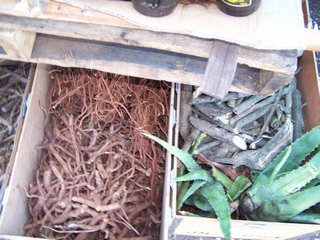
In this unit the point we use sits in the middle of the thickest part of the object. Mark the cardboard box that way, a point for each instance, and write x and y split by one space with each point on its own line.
15 212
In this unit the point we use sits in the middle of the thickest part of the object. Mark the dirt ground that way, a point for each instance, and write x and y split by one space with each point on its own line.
314 6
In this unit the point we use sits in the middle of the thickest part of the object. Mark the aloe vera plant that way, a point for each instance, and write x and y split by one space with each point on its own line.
208 191
285 188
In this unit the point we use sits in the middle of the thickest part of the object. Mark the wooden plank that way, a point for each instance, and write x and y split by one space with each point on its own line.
191 228
270 81
284 61
308 84
17 134
119 59
7 237
17 43
132 61
220 69
61 11
312 39
25 164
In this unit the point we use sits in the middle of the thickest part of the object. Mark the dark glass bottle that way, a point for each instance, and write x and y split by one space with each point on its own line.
238 8
155 8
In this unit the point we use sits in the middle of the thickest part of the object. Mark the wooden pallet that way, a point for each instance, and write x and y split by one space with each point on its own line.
16 43
136 52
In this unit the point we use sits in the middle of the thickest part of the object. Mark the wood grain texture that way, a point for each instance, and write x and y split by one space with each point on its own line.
284 61
308 84
17 43
134 61
220 69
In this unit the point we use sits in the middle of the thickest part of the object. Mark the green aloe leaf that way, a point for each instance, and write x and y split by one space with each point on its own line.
297 151
312 183
218 200
221 177
202 203
196 175
182 190
238 187
306 218
296 179
193 188
183 156
197 142
283 208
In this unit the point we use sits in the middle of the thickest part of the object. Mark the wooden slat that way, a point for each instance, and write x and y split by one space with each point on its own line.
61 11
312 39
133 61
220 69
284 61
17 43
310 90
15 211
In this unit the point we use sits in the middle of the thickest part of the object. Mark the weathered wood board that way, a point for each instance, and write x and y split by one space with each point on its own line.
142 62
283 61
17 43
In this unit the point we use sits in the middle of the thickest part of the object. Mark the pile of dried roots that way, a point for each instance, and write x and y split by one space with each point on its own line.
12 86
98 178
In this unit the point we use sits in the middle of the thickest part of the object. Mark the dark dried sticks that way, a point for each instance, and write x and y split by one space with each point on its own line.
261 124
11 95
98 178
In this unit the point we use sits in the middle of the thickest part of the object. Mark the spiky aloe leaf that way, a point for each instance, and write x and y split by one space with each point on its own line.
283 208
221 177
300 149
189 214
193 188
197 142
182 190
306 218
296 179
312 183
196 175
218 200
202 203
183 156
238 187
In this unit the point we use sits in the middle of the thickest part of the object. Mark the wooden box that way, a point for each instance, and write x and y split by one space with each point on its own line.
15 212
179 227
21 118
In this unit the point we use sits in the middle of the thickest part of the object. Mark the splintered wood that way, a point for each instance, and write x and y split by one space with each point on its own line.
98 178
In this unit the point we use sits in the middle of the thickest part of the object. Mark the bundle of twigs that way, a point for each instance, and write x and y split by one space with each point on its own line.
98 178
12 86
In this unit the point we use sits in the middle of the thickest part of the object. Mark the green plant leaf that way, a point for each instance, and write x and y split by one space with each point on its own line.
197 142
193 188
306 218
283 208
238 187
201 174
297 151
183 156
182 190
221 177
218 200
189 214
294 180
202 203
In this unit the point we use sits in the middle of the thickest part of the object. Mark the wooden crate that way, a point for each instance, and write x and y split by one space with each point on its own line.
16 44
15 211
21 119
181 227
